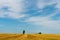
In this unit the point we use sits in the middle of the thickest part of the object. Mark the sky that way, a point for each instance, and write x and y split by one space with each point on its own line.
33 16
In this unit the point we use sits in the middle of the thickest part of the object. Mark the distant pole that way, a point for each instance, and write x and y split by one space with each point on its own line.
23 31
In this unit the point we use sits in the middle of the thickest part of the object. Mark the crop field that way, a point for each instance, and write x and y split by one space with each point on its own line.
29 36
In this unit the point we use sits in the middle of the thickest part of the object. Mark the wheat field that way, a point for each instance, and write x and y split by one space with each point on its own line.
29 36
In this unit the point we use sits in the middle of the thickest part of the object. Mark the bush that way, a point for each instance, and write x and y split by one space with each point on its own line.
39 33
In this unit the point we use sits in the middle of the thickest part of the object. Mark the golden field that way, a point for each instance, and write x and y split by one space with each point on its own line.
29 36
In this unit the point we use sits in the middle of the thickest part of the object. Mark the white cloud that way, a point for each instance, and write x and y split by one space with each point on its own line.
11 15
45 21
43 3
58 6
14 8
15 5
15 15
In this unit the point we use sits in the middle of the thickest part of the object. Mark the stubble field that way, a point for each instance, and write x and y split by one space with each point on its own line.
29 36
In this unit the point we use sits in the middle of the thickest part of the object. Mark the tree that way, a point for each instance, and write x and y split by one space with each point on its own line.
39 33
23 31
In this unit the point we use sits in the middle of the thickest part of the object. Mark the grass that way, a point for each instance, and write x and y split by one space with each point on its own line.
30 37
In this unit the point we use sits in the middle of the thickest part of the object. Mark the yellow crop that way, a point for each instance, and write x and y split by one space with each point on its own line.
29 36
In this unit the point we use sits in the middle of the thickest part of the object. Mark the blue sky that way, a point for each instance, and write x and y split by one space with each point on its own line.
33 16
